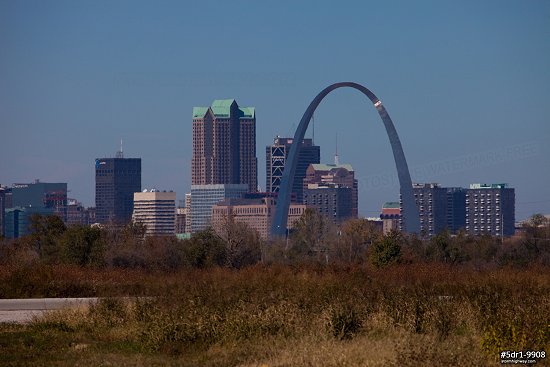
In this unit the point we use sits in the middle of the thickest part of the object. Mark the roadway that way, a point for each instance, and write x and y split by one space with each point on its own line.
24 310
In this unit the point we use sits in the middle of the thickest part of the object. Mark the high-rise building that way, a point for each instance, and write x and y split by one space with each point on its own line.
431 200
339 174
188 212
456 209
2 210
224 145
275 160
391 214
46 198
490 209
331 200
18 220
156 210
204 197
116 180
257 213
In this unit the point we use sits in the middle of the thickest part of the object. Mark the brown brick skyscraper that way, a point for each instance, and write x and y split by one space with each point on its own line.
224 145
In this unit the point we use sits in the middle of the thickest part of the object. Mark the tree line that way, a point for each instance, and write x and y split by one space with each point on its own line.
314 239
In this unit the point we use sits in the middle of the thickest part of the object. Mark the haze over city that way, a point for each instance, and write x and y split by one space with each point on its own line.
465 83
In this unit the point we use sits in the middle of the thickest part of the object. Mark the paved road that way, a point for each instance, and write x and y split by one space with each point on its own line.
23 310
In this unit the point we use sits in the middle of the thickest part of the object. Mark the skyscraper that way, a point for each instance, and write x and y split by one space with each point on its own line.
2 210
275 159
116 180
224 145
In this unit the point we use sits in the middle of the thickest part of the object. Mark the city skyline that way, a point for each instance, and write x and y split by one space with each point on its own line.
467 89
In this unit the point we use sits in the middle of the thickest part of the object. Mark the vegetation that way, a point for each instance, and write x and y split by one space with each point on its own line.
360 299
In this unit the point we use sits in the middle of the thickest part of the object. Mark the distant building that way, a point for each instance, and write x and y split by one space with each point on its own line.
76 213
456 209
41 197
2 210
204 197
18 220
331 200
188 212
181 220
490 209
276 156
116 180
257 213
342 175
224 145
431 200
390 216
156 210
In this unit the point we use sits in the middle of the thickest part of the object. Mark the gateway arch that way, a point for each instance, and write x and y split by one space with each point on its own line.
411 219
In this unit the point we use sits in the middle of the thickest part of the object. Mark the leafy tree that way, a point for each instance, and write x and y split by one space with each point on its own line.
45 233
83 245
311 236
205 249
243 244
387 249
355 236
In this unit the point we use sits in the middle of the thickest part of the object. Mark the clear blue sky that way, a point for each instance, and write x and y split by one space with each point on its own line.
467 84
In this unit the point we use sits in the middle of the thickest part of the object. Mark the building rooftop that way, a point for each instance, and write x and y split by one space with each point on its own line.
330 166
391 205
488 186
222 108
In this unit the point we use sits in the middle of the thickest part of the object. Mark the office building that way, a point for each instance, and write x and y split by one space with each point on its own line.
18 219
181 216
46 198
456 209
2 210
188 212
431 200
391 216
76 213
156 210
341 175
116 181
224 145
276 156
490 209
204 197
331 200
257 213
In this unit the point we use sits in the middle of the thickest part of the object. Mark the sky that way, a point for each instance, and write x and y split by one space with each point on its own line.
467 84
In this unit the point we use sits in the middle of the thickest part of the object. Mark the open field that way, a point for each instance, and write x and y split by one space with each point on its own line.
281 316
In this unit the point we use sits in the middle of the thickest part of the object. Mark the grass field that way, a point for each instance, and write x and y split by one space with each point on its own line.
403 315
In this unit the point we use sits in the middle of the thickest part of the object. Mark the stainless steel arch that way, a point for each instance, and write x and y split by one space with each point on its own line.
411 220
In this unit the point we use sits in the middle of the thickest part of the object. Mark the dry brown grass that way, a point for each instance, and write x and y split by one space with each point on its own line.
405 315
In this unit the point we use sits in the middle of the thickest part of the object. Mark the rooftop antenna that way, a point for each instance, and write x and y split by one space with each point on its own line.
119 154
336 158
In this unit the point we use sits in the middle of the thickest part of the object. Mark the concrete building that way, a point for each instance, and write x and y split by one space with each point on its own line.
116 180
331 200
490 209
156 210
188 214
2 210
431 200
224 145
204 197
456 209
181 220
76 213
275 159
46 198
390 216
257 213
341 175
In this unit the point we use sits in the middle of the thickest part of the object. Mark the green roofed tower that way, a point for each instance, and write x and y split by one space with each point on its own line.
224 145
